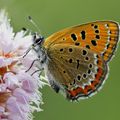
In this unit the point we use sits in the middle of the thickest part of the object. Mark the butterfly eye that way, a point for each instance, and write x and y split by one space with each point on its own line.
39 40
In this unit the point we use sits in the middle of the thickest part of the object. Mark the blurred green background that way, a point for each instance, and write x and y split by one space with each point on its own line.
53 15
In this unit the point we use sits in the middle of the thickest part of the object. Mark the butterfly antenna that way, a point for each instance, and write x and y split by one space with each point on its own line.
34 37
33 23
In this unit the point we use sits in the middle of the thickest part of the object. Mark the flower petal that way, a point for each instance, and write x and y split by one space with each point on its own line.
21 95
2 109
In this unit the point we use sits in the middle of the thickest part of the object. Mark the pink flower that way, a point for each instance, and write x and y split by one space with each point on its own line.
19 95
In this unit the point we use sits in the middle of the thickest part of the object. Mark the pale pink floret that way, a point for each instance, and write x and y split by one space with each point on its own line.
19 95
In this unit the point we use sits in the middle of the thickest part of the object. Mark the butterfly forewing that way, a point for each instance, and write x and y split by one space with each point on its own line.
100 37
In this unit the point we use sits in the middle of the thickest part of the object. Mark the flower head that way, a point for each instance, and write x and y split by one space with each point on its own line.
19 95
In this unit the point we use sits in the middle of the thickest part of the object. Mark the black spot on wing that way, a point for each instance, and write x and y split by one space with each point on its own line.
78 64
83 34
97 36
87 46
74 37
94 43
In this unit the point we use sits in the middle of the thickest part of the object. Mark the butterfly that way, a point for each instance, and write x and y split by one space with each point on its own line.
75 59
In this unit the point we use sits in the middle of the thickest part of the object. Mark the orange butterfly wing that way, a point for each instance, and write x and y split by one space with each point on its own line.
100 37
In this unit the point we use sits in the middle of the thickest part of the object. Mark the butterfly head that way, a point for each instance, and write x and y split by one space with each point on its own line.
37 40
38 47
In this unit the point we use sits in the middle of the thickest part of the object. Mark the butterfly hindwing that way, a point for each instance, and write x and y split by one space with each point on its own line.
78 71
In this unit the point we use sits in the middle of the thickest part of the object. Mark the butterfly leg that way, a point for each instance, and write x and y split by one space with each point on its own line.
26 53
36 72
32 64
